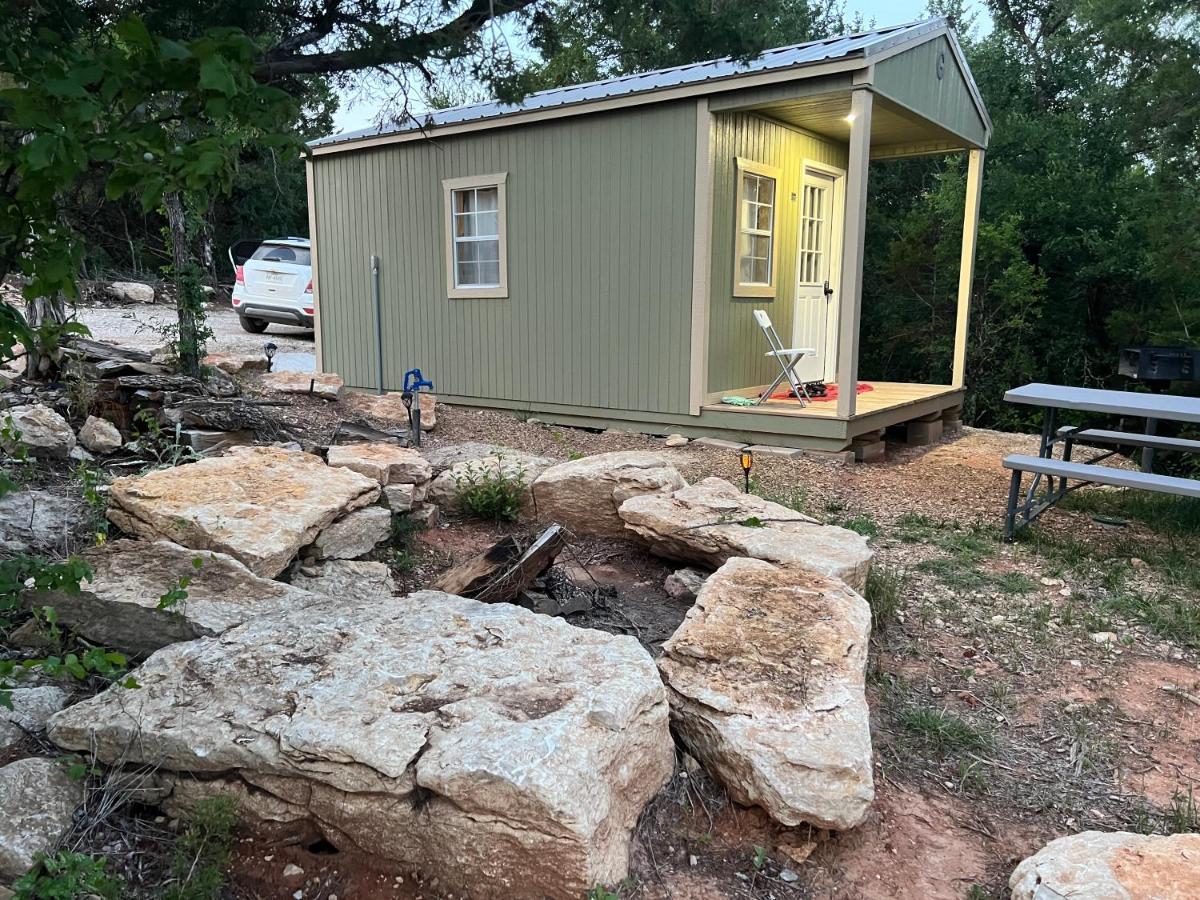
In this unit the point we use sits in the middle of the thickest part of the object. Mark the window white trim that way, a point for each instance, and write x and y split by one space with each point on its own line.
449 186
743 167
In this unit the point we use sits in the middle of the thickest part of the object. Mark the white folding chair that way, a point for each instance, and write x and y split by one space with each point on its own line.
787 358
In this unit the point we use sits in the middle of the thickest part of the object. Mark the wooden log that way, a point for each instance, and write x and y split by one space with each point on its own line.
500 574
101 351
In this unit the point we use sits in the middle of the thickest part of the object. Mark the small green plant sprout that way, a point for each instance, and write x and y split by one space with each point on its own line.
600 892
760 857
91 481
752 522
862 523
178 592
201 854
1183 817
78 768
66 876
490 492
885 595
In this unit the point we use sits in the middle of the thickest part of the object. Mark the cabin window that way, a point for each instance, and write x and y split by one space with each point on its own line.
754 251
476 238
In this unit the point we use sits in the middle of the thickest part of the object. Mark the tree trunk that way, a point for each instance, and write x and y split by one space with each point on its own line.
181 264
39 310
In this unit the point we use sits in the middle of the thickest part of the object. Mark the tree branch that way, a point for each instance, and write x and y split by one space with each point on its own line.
284 60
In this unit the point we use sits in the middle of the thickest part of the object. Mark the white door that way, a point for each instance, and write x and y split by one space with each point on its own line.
816 268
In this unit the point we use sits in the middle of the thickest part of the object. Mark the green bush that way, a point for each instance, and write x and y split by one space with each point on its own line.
67 876
489 492
202 851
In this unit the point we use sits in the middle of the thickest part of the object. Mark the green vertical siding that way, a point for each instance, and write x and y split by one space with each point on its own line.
600 213
911 78
736 344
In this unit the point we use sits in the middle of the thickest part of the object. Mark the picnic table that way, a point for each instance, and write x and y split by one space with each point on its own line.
1053 474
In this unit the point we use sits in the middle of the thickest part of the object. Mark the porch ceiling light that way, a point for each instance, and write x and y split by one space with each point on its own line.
850 117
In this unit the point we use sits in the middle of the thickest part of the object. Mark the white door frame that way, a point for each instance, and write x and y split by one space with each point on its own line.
836 248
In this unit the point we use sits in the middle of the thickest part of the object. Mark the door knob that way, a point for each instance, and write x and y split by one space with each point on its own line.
828 291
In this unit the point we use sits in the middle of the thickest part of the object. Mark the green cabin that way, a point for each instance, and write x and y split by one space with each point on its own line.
595 255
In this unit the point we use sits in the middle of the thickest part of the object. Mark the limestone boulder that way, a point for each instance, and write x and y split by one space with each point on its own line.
506 752
389 407
354 535
38 430
100 435
348 580
119 606
39 522
236 363
401 498
585 494
325 385
766 681
712 521
1099 865
130 292
512 465
31 710
39 802
386 463
444 457
258 504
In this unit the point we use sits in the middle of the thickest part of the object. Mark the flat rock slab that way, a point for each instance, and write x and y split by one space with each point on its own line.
39 802
512 465
325 385
584 495
712 521
345 579
118 606
507 753
258 504
766 681
386 463
1098 865
31 710
235 363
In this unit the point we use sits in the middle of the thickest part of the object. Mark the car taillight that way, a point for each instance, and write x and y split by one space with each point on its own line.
308 290
239 274
308 310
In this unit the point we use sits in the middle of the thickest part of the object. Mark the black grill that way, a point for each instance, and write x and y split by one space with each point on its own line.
1160 363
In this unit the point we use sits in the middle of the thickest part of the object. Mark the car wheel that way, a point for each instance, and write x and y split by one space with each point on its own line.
254 326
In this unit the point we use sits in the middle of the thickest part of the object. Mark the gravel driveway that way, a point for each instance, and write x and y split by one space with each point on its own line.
141 326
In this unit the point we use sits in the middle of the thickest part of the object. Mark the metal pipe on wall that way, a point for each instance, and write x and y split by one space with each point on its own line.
378 323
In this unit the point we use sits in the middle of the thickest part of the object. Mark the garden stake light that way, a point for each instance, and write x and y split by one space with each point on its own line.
269 351
747 463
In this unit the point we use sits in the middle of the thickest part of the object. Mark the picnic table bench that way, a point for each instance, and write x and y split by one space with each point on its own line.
1055 474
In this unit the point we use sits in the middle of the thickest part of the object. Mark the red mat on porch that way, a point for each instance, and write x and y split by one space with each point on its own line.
831 393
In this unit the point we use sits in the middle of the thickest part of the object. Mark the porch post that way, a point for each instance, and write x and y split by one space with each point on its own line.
850 302
966 265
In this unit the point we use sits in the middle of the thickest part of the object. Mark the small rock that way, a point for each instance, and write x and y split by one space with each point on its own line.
685 584
425 516
31 709
676 440
291 870
80 455
1103 637
1137 563
100 435
38 522
355 534
400 497
348 579
40 431
787 875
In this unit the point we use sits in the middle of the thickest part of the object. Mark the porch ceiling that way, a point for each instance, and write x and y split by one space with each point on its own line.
895 131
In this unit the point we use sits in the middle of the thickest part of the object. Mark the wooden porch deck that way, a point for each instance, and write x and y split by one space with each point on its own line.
883 396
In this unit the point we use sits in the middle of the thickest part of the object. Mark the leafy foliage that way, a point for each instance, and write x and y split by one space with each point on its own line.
67 876
490 492
201 854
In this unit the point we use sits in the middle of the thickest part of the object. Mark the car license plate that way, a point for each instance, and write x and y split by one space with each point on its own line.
275 277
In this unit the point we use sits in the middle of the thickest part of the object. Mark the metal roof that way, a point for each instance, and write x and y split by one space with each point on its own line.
794 56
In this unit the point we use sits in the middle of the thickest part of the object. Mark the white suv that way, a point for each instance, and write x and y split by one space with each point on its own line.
274 284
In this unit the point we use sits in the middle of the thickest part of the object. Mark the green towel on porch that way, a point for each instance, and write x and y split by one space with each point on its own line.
737 401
